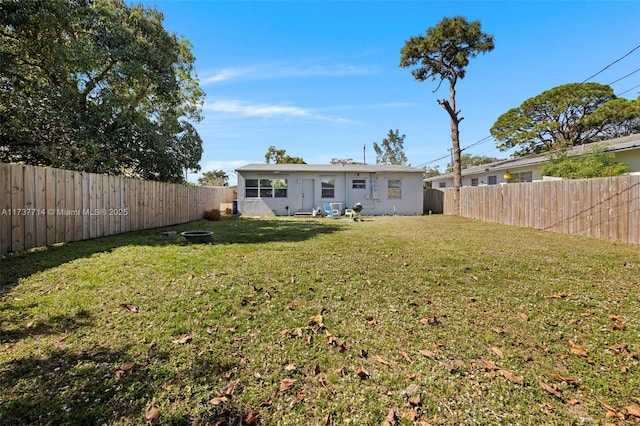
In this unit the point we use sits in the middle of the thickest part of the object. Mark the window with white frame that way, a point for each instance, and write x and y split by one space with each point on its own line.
442 184
328 188
523 177
280 188
474 181
492 180
359 183
265 188
394 188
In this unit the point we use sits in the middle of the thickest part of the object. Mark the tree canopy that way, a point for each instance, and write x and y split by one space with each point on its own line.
567 115
391 149
597 163
214 178
279 156
469 160
97 86
443 54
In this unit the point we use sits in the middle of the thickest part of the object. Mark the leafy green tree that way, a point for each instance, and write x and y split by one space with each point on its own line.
343 161
443 54
391 149
615 118
214 178
469 160
98 86
597 163
279 156
567 115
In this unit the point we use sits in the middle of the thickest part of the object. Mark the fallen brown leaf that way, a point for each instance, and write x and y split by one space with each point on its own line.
489 365
328 421
129 307
406 357
561 295
286 384
184 339
371 320
151 414
250 418
317 321
382 361
290 367
426 353
218 400
125 370
523 316
567 380
496 351
362 373
511 377
633 410
229 388
577 349
391 418
553 391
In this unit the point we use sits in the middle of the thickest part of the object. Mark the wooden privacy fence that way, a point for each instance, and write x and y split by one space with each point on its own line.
606 208
40 206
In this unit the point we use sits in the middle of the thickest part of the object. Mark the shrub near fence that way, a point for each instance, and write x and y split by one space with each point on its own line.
41 206
606 208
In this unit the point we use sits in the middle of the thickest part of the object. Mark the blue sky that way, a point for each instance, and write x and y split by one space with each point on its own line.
321 79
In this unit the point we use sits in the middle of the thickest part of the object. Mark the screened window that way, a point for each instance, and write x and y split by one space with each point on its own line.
442 184
265 188
474 181
525 177
328 188
493 180
359 184
251 188
280 188
394 188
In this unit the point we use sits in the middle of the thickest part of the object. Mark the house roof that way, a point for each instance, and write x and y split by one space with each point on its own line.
328 168
624 143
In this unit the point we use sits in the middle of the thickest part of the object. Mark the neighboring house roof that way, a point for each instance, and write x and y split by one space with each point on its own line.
611 145
329 168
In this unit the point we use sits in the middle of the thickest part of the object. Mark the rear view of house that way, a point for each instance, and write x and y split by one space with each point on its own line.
285 189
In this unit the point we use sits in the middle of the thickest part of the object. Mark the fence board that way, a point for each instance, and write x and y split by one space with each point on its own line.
634 210
17 199
40 204
5 208
29 206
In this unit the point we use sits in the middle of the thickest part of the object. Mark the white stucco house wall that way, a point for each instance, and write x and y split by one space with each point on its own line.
285 189
526 169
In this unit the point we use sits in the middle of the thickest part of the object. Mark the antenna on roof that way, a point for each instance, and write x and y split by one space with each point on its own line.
364 154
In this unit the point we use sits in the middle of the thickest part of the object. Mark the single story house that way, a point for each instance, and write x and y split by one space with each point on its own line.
526 169
286 189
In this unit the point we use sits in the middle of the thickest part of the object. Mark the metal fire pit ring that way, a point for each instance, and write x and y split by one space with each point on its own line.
197 237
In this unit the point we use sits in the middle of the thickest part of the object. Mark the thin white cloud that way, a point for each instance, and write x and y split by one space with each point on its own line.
268 71
233 106
246 109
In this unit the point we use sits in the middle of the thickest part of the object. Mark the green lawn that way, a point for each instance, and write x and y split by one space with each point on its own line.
408 320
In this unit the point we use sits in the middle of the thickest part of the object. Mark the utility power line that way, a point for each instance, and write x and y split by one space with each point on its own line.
622 78
617 60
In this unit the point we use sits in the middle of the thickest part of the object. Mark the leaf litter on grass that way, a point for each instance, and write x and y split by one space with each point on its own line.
429 314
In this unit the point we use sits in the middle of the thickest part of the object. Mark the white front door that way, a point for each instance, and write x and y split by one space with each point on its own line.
308 202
